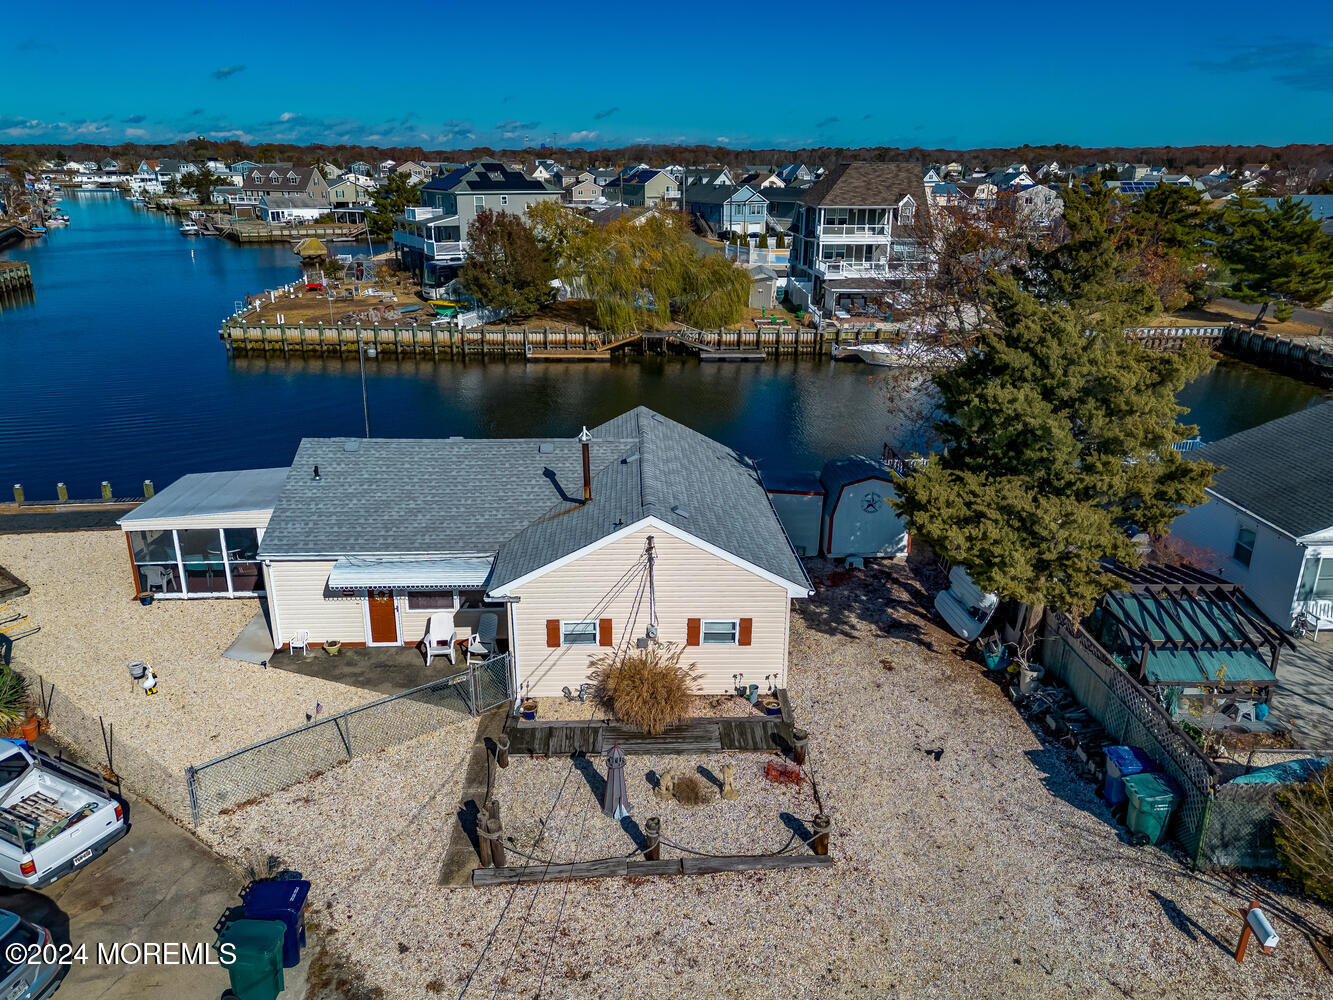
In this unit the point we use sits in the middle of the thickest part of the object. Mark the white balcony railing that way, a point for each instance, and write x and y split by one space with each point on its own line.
443 249
868 269
854 231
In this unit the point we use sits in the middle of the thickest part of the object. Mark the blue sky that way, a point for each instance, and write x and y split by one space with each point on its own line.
831 73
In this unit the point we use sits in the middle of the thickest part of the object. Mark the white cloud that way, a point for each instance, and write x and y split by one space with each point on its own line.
722 138
583 136
136 133
287 116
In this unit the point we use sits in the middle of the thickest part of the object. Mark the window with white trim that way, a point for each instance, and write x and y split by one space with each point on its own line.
504 199
578 633
1244 550
431 600
720 633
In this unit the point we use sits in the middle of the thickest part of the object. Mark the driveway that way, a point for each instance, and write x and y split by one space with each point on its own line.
157 884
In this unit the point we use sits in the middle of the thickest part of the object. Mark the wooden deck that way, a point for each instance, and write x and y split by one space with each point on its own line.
754 733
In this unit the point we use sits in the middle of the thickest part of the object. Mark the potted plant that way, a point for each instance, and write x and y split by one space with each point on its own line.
528 709
333 647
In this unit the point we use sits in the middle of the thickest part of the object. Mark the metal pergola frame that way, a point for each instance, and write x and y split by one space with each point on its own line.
1192 600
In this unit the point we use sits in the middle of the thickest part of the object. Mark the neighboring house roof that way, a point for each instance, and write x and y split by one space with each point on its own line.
1320 205
719 194
1281 471
676 475
291 201
289 178
485 177
212 493
867 183
606 216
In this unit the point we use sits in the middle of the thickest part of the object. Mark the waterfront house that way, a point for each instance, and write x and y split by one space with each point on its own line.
290 208
347 192
431 239
855 236
645 188
565 540
284 179
1268 521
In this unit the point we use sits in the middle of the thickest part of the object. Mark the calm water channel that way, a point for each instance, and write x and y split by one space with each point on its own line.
114 371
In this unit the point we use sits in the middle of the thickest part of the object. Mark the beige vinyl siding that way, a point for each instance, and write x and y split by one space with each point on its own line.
690 583
235 519
298 593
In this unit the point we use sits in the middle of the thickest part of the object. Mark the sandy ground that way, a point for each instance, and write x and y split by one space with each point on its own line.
971 861
92 628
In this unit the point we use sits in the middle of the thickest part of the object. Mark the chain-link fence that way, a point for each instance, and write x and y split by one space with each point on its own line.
1131 716
91 741
285 759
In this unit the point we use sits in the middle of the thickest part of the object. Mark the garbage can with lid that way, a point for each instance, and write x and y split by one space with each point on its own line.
1120 763
1152 799
280 899
256 971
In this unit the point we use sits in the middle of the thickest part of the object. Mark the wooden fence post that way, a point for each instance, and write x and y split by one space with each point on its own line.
497 845
800 744
148 489
483 841
62 492
652 830
106 490
502 751
821 826
18 492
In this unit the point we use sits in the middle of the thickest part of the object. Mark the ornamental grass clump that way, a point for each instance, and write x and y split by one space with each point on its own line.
13 697
648 688
1304 834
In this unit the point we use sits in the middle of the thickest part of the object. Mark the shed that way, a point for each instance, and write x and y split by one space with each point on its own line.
763 287
798 500
199 537
858 517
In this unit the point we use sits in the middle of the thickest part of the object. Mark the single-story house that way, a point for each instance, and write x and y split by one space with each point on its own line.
200 536
859 518
1268 521
290 208
640 530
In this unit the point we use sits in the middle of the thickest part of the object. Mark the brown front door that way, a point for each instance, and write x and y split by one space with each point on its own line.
383 621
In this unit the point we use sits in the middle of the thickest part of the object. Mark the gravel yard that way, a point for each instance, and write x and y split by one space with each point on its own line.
91 628
970 860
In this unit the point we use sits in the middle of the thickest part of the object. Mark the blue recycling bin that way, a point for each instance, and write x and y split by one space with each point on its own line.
1121 762
280 900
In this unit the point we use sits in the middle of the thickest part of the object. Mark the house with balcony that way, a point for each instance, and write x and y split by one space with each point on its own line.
1268 521
646 188
856 237
431 238
728 209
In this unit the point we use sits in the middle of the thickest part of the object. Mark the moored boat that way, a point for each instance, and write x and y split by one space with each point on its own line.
900 354
190 229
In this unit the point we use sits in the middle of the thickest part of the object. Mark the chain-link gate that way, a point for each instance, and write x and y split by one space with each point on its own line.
491 683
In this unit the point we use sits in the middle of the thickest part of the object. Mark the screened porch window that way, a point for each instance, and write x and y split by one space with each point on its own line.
197 562
1317 579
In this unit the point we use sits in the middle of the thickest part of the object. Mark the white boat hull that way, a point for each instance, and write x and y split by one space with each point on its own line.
899 355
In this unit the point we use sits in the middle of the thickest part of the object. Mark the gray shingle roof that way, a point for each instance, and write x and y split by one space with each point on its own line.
1281 471
411 496
867 184
668 471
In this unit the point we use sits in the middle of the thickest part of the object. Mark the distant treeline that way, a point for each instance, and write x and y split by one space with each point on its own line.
1182 158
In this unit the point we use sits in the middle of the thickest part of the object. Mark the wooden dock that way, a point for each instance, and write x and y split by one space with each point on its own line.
15 275
244 336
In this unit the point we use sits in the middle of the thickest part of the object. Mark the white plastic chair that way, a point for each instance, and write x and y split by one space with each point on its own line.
483 643
1320 614
440 635
301 640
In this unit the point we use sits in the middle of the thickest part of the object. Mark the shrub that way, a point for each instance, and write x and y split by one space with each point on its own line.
782 241
689 790
647 688
763 241
13 697
1304 834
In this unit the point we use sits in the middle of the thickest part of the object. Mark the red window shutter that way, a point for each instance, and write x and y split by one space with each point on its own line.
553 632
604 631
692 628
746 627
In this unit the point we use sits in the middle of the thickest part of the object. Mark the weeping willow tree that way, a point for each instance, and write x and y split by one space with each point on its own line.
640 272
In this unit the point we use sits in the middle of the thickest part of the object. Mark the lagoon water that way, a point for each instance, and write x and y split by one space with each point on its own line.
114 370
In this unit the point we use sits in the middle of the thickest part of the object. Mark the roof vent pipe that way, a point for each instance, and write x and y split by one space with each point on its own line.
584 439
315 477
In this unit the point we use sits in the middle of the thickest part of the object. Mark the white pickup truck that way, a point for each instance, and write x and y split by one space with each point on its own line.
54 817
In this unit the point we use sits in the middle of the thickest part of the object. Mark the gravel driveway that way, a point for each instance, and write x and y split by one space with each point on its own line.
970 861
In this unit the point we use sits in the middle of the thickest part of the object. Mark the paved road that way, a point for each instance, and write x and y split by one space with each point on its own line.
1315 317
159 884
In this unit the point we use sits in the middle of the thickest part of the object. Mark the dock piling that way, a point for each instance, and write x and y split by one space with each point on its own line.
62 492
18 493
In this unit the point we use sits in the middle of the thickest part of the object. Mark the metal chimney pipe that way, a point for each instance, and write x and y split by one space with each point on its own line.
584 439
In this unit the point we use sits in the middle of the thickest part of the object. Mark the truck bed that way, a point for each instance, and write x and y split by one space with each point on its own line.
38 809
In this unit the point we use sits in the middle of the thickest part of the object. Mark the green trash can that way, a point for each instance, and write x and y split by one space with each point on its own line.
256 972
1152 799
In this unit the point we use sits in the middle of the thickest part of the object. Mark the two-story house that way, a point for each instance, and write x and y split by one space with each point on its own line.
284 179
431 238
855 234
728 209
646 187
582 188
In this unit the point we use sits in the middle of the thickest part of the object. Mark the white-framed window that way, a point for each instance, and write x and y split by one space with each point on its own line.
725 632
1244 550
478 201
431 600
578 633
504 199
